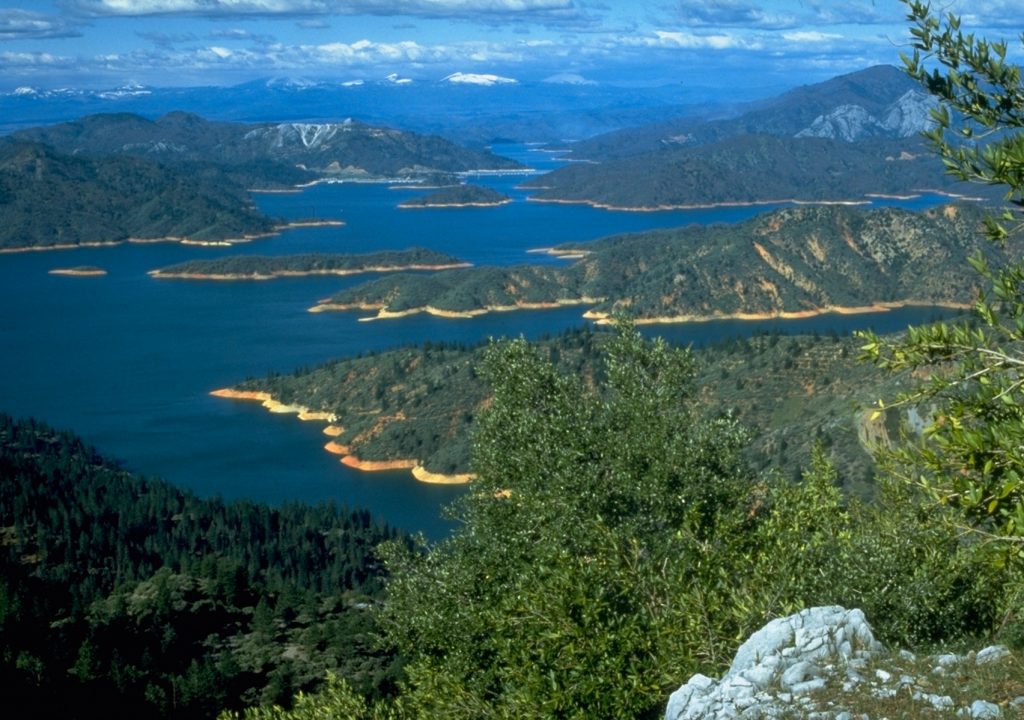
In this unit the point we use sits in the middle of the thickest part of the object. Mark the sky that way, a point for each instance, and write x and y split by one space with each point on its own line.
111 43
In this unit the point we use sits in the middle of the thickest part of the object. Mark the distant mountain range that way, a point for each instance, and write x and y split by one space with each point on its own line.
268 155
836 141
468 108
110 178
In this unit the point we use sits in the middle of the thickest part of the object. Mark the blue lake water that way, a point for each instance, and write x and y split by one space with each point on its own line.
128 362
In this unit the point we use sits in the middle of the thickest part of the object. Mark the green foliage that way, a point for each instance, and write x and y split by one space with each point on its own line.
801 259
147 599
260 267
459 195
972 453
54 198
614 542
734 170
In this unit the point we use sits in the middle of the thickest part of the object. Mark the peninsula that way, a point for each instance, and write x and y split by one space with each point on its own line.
414 408
258 267
788 263
459 196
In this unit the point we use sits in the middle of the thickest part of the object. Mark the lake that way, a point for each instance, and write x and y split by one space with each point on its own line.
128 362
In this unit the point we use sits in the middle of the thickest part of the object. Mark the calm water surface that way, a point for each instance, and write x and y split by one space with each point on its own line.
128 361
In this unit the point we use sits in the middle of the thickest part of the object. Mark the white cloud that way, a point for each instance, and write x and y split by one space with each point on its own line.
810 36
31 59
730 13
690 41
18 24
426 8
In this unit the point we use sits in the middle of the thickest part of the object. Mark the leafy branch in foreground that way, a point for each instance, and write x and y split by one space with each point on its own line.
971 454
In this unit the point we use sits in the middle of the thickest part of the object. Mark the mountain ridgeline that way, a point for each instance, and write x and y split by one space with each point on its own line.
795 261
270 155
49 198
110 178
840 140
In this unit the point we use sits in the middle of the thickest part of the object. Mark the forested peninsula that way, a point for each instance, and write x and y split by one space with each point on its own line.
129 595
459 196
261 267
793 262
733 172
416 406
49 199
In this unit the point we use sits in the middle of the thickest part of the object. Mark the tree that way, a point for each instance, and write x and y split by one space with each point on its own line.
971 456
602 551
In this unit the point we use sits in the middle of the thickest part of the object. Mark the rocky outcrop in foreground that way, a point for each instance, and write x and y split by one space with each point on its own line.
783 669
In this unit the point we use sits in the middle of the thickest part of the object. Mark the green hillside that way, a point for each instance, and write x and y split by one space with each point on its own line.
799 260
268 155
48 198
122 596
262 267
420 403
459 196
749 169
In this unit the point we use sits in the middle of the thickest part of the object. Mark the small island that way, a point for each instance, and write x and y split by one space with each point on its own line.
459 196
260 267
80 271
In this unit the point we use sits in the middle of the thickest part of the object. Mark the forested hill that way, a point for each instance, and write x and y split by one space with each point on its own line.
749 169
842 139
269 155
803 259
261 267
422 403
49 198
123 596
878 102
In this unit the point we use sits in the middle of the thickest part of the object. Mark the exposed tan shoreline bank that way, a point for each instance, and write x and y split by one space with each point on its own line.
383 314
224 242
275 274
420 206
348 459
602 318
749 203
79 272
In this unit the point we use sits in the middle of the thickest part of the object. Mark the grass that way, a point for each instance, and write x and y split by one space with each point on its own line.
901 687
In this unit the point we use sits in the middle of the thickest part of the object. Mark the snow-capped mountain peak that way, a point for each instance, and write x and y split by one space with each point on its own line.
397 79
485 79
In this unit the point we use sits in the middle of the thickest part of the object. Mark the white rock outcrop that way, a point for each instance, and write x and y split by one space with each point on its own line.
778 669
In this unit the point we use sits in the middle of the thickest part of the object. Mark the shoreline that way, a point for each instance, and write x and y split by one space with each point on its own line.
78 272
348 459
604 318
276 274
870 197
425 206
181 240
383 314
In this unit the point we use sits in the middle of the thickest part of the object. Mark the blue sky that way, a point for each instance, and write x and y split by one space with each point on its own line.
107 43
